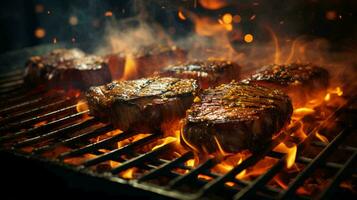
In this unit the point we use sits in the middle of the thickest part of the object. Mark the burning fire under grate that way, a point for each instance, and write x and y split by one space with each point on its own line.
55 127
312 157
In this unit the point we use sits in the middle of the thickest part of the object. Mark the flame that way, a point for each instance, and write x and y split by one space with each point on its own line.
181 15
41 123
204 177
82 106
130 68
213 4
230 162
290 151
129 173
321 137
303 111
205 26
280 182
135 138
242 174
220 152
164 141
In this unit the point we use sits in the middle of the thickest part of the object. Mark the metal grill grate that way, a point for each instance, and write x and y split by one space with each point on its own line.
37 124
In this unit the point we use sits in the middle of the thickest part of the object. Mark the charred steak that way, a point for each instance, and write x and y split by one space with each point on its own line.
142 104
145 60
207 73
300 81
67 68
236 115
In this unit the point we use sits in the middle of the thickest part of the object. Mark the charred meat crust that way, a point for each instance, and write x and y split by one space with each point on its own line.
241 116
207 73
300 81
143 104
67 68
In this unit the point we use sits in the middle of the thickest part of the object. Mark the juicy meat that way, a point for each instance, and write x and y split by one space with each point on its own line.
301 82
67 68
145 60
143 104
207 73
237 116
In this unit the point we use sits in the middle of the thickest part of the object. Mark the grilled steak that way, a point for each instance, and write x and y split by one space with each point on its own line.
146 61
67 68
142 104
300 81
237 116
207 73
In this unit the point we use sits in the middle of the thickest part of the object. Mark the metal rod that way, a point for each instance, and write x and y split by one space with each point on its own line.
143 157
83 136
193 173
166 166
312 165
68 129
119 151
47 126
331 187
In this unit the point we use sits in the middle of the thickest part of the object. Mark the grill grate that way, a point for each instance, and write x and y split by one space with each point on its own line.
22 133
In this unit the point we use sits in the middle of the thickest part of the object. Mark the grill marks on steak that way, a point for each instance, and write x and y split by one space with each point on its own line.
300 81
207 73
241 116
143 104
67 68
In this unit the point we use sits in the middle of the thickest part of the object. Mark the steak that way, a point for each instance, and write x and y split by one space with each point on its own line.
142 104
207 73
302 82
146 61
238 116
67 68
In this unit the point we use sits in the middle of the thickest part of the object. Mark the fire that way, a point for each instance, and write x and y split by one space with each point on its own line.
136 137
220 152
230 162
242 174
82 106
321 137
205 26
213 4
227 18
248 38
130 68
303 111
129 173
164 141
181 15
281 183
41 123
108 13
40 32
289 151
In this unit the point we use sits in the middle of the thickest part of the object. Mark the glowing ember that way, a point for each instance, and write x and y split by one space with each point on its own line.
204 177
321 137
331 15
108 13
181 15
131 139
40 32
213 4
248 38
227 18
290 151
41 123
39 8
81 106
303 111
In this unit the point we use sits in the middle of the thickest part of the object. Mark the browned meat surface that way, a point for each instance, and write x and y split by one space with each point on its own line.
207 73
142 104
146 61
236 115
67 68
301 82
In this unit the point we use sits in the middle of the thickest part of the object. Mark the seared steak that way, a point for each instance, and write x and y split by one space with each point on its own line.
236 115
142 104
207 73
67 68
146 60
300 81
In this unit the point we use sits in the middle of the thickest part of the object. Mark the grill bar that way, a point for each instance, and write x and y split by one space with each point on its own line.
331 187
116 152
311 166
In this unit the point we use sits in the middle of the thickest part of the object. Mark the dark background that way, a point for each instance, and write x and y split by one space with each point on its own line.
19 19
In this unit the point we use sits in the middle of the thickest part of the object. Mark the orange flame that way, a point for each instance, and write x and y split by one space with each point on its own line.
213 4
129 173
181 15
81 106
164 141
130 68
290 151
321 137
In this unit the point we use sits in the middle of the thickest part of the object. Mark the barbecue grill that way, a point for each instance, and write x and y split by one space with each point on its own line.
47 127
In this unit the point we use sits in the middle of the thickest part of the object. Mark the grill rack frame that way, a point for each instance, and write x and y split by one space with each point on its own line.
8 90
